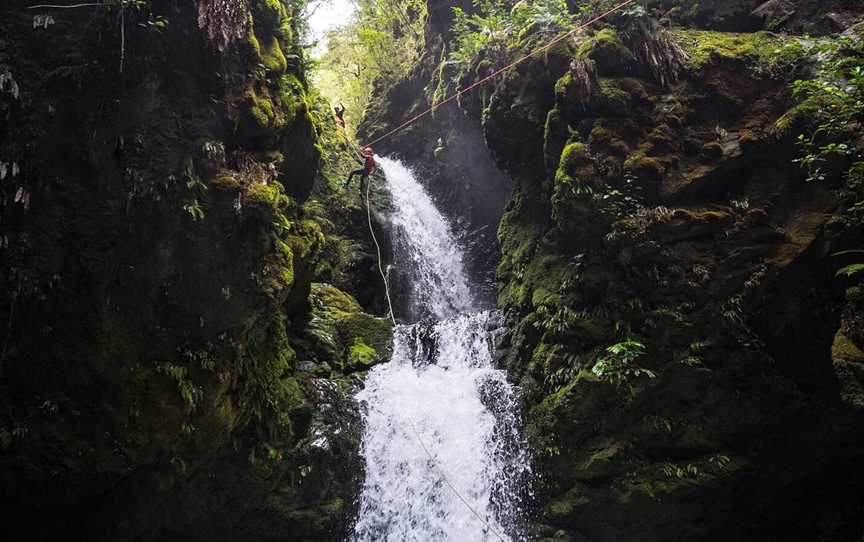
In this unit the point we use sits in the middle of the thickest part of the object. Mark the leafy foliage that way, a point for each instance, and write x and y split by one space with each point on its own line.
491 29
655 47
679 472
835 98
189 392
851 269
381 43
836 94
619 368
193 208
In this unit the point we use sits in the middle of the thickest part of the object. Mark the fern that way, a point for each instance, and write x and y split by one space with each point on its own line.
851 270
189 392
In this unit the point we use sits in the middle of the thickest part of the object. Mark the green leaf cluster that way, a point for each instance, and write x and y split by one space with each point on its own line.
379 45
619 365
491 28
837 94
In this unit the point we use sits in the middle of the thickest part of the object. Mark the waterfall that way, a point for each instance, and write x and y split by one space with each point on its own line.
441 422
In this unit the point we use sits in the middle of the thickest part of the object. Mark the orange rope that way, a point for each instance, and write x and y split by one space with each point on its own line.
459 93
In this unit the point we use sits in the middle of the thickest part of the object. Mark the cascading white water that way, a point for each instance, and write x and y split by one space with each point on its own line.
440 422
425 247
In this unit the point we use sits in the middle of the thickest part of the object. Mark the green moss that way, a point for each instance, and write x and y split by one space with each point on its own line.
562 85
605 139
663 138
313 237
794 121
641 165
273 58
375 332
768 52
268 15
341 333
615 98
607 52
634 88
286 256
260 110
361 354
604 43
293 393
225 182
554 138
254 44
573 156
263 195
291 104
332 301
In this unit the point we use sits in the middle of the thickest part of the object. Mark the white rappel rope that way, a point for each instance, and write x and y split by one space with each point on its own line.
411 421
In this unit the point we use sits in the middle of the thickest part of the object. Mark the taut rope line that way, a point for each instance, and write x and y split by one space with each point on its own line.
495 74
378 249
452 488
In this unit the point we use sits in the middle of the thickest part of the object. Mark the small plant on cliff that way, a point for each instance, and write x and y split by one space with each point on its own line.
8 437
655 47
619 368
196 187
189 392
679 472
193 208
835 97
852 269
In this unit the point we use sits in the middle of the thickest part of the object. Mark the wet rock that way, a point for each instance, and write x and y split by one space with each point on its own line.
672 211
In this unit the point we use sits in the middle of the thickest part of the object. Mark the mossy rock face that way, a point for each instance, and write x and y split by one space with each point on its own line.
273 58
668 210
762 52
182 367
554 139
803 17
608 53
343 336
361 355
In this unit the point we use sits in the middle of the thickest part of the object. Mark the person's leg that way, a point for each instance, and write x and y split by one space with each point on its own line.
351 176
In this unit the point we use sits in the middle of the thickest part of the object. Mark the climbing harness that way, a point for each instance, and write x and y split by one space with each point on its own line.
459 93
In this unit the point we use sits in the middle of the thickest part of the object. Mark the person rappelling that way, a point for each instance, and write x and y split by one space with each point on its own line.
367 158
339 111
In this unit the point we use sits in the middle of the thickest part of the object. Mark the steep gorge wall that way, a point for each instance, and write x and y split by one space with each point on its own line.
670 210
180 332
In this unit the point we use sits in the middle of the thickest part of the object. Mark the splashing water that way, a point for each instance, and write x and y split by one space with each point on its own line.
441 422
